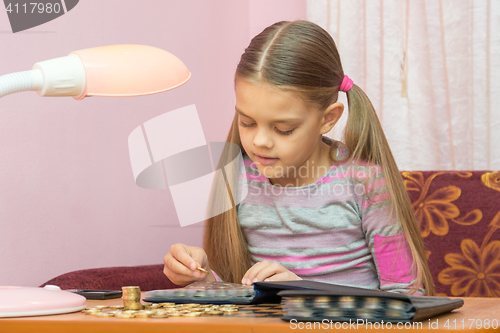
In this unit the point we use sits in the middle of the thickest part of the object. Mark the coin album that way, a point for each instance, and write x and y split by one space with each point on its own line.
309 307
313 301
204 292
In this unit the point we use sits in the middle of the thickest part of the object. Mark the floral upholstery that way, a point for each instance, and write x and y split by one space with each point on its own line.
459 217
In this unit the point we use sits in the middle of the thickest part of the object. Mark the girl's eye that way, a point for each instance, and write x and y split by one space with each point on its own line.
284 133
277 130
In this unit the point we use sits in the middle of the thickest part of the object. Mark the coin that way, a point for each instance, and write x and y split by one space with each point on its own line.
125 315
167 305
131 290
160 315
132 298
144 314
224 308
105 314
116 307
215 312
202 269
191 314
230 310
114 312
191 305
196 309
175 314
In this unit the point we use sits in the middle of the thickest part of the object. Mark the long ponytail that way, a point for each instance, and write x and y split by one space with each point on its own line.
366 141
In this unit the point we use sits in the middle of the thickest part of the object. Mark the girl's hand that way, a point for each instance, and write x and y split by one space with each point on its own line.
267 271
181 262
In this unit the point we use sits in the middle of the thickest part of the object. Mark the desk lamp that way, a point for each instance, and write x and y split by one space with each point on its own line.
116 71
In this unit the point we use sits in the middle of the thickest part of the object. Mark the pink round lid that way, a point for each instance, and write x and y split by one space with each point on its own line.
30 301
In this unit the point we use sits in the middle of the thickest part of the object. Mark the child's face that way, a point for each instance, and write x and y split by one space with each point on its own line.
293 144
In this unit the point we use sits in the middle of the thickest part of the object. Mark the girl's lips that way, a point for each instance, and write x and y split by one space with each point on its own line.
266 161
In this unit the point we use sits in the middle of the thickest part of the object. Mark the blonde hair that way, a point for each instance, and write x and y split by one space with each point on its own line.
301 56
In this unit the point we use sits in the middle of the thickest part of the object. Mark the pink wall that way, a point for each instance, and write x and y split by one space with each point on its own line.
68 200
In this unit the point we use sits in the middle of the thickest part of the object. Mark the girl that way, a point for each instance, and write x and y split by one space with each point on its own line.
346 218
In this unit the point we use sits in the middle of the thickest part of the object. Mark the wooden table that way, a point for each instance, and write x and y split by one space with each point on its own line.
474 312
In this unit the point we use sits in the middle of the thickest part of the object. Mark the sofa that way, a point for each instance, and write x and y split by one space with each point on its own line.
459 217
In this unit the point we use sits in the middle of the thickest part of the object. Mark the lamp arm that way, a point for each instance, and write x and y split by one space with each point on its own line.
20 81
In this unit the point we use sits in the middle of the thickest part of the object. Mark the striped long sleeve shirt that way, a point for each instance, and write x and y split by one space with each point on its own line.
336 230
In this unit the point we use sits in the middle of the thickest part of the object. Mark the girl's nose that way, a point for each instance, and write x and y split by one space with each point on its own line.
263 139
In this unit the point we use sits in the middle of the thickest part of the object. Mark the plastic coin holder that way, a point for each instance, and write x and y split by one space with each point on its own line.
347 302
365 314
394 313
304 313
332 312
396 305
204 292
322 302
177 292
199 293
372 303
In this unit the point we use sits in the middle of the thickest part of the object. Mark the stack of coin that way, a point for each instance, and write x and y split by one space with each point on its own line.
132 298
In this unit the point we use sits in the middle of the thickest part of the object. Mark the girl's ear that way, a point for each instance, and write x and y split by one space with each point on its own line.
330 117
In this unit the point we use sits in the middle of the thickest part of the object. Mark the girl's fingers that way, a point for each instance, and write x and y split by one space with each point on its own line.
179 268
182 254
268 271
200 258
277 277
253 272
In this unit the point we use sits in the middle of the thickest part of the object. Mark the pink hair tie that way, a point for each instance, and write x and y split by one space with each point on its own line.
346 84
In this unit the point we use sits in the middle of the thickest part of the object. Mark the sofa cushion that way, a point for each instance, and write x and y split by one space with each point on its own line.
459 217
148 277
